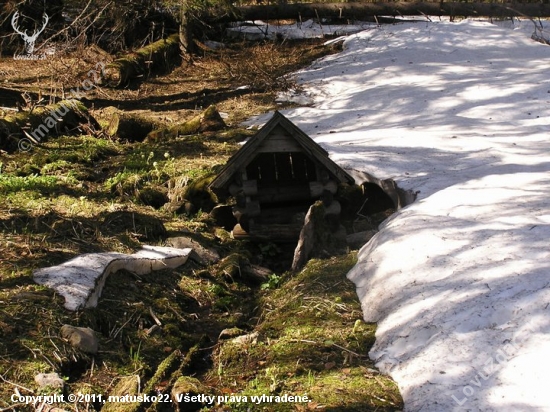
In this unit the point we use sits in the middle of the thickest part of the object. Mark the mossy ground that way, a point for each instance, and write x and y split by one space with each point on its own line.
312 341
73 195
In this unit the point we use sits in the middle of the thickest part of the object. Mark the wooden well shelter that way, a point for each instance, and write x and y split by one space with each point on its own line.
273 180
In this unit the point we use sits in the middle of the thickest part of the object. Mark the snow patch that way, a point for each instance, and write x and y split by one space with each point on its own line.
458 113
80 280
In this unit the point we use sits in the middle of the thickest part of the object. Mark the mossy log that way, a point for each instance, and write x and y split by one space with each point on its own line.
128 127
10 98
158 56
65 117
209 120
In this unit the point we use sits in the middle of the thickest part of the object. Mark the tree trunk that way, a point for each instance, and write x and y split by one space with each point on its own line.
156 57
355 10
186 33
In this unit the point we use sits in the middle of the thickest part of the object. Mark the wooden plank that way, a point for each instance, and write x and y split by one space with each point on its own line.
250 187
273 232
263 169
253 208
285 172
284 214
304 167
294 193
276 232
279 145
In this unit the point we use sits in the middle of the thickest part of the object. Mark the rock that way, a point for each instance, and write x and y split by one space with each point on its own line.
310 236
49 380
320 237
359 239
205 255
249 339
188 386
83 339
255 273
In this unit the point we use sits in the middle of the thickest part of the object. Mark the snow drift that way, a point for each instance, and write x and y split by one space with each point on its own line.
458 281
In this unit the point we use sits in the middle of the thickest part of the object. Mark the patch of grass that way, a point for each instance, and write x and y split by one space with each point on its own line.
312 341
14 184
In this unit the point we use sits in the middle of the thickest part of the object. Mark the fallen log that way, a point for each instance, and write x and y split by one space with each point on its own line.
36 125
209 120
158 56
129 127
356 10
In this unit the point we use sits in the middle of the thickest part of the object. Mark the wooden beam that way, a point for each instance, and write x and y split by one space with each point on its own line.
283 194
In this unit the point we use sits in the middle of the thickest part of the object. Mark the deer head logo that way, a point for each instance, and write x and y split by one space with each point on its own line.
29 40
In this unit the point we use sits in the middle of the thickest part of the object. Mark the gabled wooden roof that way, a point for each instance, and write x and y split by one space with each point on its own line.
248 152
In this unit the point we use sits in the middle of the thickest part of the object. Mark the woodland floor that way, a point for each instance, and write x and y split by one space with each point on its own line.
80 194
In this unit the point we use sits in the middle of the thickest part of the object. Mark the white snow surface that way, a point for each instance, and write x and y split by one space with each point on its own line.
258 30
80 280
459 281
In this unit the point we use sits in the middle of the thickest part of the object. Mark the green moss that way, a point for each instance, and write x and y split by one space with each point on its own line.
312 340
127 385
44 184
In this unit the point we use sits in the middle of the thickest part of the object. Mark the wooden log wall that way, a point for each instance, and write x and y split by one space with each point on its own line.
258 222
